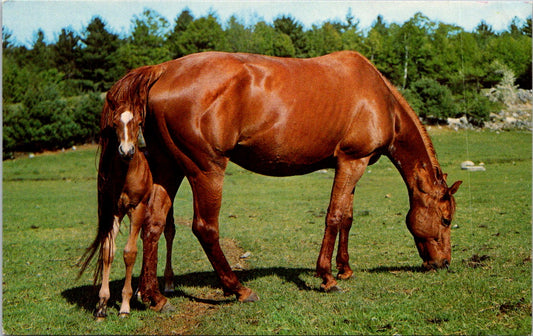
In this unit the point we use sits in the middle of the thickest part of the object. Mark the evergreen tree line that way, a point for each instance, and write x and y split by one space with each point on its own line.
52 92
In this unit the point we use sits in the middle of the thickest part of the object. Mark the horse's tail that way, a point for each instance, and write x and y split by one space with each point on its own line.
110 181
132 89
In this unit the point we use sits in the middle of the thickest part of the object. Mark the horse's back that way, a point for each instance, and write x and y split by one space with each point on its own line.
276 116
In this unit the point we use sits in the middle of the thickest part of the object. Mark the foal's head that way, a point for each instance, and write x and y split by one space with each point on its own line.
127 125
430 218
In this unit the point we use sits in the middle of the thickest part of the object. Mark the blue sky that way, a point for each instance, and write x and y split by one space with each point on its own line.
24 17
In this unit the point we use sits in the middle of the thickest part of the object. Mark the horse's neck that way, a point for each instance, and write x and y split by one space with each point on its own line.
412 152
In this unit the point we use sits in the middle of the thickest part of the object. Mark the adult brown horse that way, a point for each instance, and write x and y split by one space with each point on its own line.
279 117
125 187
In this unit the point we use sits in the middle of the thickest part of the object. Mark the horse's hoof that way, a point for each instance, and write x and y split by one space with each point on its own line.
330 287
250 296
167 308
123 314
345 275
336 289
163 306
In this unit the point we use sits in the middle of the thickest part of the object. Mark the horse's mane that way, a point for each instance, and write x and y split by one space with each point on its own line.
132 89
413 116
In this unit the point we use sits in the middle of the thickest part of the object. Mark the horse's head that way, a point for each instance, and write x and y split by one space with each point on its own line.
430 218
127 125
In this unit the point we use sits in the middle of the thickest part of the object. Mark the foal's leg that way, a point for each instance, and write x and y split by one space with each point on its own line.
207 196
130 254
339 217
108 254
170 233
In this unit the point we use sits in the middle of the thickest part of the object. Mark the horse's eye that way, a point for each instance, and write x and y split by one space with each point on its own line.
446 221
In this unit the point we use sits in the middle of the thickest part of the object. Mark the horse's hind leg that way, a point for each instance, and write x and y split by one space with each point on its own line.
207 197
158 207
170 233
130 254
108 254
339 218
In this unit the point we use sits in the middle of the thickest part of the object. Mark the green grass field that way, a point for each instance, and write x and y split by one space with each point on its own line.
49 218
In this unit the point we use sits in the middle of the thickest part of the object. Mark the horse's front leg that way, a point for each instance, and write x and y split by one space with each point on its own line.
207 196
108 254
339 218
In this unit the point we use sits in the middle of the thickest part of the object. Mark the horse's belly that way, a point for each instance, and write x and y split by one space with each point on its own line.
279 164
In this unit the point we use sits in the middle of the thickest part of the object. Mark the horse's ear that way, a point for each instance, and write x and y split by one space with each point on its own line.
422 178
453 189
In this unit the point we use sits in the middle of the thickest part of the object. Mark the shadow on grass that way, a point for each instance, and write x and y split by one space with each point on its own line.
86 296
393 269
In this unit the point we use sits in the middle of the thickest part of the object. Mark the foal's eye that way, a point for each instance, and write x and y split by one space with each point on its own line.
446 221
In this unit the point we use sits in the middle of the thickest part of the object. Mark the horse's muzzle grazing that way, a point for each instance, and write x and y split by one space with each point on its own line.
126 152
432 265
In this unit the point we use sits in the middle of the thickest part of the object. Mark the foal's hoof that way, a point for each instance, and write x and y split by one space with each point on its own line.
123 314
100 315
248 296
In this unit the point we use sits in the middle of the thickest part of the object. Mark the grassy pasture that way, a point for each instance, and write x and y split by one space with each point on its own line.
49 218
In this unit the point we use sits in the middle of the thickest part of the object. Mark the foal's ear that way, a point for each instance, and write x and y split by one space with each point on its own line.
453 189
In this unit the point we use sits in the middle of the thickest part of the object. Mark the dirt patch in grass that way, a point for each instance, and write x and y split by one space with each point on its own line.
183 321
513 307
189 314
477 261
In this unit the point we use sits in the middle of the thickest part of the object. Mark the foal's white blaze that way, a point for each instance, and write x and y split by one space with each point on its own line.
125 118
